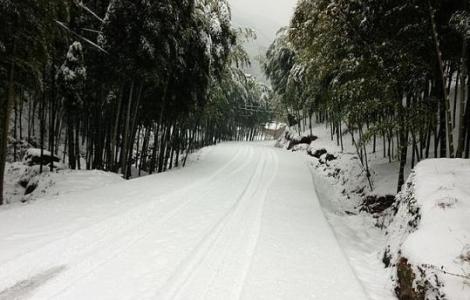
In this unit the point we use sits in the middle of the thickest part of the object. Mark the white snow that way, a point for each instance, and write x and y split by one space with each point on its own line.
242 222
437 202
49 184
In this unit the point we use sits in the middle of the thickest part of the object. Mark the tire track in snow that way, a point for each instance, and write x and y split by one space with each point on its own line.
28 264
225 253
109 251
257 228
240 244
193 260
249 221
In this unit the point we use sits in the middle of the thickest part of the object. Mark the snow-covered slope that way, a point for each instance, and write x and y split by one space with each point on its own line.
243 222
430 233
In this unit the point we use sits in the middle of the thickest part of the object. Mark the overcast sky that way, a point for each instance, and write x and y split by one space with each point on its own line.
266 15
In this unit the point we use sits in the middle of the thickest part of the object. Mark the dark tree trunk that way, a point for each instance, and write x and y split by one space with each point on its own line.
446 117
133 131
77 144
15 131
71 143
143 157
52 117
112 164
403 156
403 137
5 106
463 90
153 160
125 143
467 126
42 128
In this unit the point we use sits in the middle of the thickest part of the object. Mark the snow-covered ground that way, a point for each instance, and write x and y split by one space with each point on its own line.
243 221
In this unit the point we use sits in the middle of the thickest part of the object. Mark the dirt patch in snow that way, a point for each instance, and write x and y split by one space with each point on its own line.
406 277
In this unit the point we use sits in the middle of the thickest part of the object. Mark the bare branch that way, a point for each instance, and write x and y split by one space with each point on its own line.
80 4
81 37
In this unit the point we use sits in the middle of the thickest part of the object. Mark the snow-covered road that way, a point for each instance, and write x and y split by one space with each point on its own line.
243 222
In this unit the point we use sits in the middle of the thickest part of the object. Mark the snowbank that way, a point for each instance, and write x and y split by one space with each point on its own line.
428 239
24 183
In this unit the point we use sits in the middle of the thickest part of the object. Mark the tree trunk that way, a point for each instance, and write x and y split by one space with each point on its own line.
403 156
52 117
15 131
143 157
42 128
112 159
428 139
310 123
366 160
77 144
21 116
5 108
467 125
403 138
124 146
163 148
463 78
153 160
133 130
33 119
30 116
71 143
190 143
442 78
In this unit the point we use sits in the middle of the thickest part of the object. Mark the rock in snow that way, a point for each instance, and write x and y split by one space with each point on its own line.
33 157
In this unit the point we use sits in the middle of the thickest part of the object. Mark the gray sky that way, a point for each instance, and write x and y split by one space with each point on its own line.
266 17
